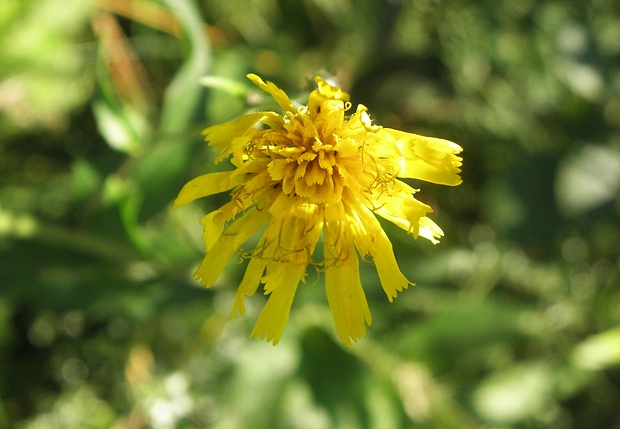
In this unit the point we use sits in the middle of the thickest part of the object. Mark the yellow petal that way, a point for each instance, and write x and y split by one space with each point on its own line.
214 222
281 206
205 185
231 137
219 136
418 157
315 174
283 283
330 91
369 238
257 183
278 169
418 169
249 284
235 235
430 230
277 94
345 294
363 226
273 120
327 106
404 211
392 279
335 212
357 126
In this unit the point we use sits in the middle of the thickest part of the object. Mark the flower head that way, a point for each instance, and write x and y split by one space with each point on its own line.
314 177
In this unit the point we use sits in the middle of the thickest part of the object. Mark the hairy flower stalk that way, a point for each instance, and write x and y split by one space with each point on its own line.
316 177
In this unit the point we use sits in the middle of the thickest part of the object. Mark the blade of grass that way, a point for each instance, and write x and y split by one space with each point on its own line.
182 97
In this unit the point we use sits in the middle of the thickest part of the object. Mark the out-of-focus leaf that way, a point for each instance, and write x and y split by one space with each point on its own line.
599 351
459 333
229 86
123 128
516 394
124 110
183 95
258 369
160 172
85 180
382 408
75 410
588 179
42 73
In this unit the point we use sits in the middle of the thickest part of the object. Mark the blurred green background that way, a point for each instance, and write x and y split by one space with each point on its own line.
515 319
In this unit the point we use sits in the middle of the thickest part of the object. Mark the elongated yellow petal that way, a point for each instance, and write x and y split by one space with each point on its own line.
418 157
231 137
392 279
404 211
419 169
369 237
277 94
345 295
249 284
205 185
234 236
219 136
283 285
359 219
430 230
214 222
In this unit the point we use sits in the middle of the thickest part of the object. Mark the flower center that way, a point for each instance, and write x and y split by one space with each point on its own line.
305 161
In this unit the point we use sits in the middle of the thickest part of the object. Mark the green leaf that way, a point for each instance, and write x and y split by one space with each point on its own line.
515 394
599 351
183 95
85 179
42 73
123 128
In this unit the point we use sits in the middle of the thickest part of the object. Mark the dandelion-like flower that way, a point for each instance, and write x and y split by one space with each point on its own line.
315 177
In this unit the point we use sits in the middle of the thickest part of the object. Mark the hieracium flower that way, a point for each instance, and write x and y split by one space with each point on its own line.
315 179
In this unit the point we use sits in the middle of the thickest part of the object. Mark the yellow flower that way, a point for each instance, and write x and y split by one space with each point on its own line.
315 177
